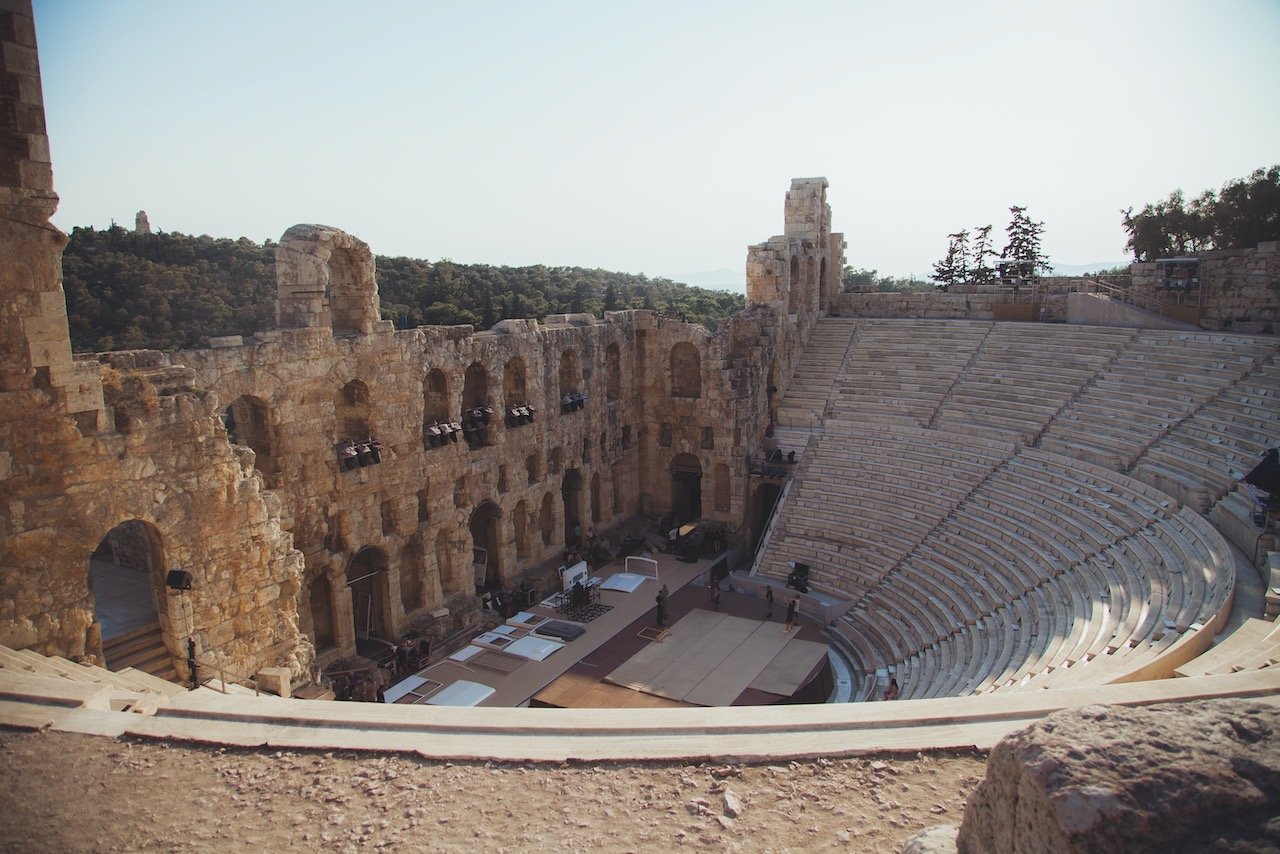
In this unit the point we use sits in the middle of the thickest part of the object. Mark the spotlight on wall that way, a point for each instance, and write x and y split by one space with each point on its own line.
178 579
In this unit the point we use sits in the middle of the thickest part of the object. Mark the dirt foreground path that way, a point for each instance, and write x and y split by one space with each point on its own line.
64 792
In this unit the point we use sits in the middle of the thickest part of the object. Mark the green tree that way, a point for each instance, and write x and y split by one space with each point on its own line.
980 272
953 268
1023 246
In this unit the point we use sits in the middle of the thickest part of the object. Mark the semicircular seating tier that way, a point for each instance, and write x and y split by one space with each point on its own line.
1015 505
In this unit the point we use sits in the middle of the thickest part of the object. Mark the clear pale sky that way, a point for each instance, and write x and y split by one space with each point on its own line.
655 137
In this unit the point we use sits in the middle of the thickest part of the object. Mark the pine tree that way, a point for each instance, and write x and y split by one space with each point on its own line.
982 273
953 269
1023 247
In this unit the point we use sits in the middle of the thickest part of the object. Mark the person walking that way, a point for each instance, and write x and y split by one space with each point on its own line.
768 603
792 607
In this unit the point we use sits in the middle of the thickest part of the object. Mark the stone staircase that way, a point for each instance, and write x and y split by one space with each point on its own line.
805 402
140 649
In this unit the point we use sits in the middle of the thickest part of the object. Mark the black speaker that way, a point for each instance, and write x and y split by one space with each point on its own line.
178 579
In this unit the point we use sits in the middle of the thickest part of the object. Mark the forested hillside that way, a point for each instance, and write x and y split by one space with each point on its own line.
167 291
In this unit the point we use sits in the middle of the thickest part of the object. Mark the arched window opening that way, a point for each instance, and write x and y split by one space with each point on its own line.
723 491
248 423
547 519
686 488
435 410
477 414
794 286
346 305
124 574
411 573
486 540
613 372
370 610
352 412
520 522
572 396
686 370
597 508
571 497
321 608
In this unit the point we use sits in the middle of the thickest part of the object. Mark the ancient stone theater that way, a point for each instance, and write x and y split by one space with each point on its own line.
975 502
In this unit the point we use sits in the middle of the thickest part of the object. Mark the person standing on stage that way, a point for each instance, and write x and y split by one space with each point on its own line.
792 607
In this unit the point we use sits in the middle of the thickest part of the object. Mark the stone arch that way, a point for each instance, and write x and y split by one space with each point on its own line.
475 386
320 602
686 487
486 533
723 487
370 606
447 564
520 524
771 391
615 486
547 519
514 384
613 372
248 423
352 412
571 497
793 288
411 586
762 504
823 298
126 580
570 373
597 508
686 370
325 278
435 397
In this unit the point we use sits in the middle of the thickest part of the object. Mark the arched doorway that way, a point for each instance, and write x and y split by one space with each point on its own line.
126 578
248 423
546 519
762 504
613 372
351 410
686 370
597 507
514 388
370 610
321 608
486 540
686 487
571 496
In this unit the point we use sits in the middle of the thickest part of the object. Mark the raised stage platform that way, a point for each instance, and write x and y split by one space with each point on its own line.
732 656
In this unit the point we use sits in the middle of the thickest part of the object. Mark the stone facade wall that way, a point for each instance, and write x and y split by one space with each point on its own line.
272 527
948 306
1239 288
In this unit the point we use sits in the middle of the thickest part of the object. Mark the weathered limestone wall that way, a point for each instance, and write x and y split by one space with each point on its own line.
1102 310
947 306
227 457
661 395
75 459
1240 288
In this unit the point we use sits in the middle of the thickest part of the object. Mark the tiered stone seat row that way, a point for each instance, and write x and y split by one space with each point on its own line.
1022 377
898 371
1221 441
810 388
974 568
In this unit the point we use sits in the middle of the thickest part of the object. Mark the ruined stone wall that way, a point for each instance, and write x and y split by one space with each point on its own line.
76 459
949 306
1239 288
660 394
227 458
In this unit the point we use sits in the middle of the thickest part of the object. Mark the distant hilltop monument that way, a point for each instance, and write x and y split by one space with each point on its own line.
141 225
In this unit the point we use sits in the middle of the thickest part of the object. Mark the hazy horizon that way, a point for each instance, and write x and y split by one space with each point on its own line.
659 139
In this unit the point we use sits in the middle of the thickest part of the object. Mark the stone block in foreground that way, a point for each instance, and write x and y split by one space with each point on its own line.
1170 777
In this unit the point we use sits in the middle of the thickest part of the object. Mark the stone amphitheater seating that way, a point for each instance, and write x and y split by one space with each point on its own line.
1003 504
